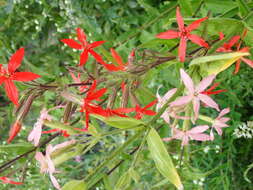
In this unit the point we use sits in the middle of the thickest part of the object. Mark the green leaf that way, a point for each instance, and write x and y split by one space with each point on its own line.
243 8
120 122
75 185
59 125
162 159
215 64
150 9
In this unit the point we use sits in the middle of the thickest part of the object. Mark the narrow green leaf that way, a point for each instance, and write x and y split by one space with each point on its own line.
215 64
162 159
124 181
148 8
75 185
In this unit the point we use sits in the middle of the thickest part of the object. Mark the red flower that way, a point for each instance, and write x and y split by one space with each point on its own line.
227 47
184 34
8 76
85 46
91 108
14 131
143 111
7 180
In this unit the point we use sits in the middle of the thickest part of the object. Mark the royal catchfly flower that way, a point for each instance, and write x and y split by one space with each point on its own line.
77 79
195 133
195 94
85 47
7 76
8 180
184 33
219 123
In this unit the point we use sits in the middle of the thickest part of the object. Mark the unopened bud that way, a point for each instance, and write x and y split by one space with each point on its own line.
14 130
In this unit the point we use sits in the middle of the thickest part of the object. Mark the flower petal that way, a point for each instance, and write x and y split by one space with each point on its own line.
200 137
233 40
195 24
204 83
181 101
54 182
198 129
8 180
196 105
83 57
117 58
72 43
182 49
180 20
96 44
208 101
187 81
11 91
97 57
198 40
247 61
81 36
223 112
169 34
25 76
16 60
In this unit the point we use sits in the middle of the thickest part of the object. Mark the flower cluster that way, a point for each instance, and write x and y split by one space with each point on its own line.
245 130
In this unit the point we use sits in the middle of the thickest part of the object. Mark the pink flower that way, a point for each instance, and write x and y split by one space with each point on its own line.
35 134
195 93
219 123
196 133
170 111
46 163
77 79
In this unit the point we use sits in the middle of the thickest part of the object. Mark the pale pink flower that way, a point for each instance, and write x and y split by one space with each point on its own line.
46 163
195 133
195 93
220 122
35 134
77 79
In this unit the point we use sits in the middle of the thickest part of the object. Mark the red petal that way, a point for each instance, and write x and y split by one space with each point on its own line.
195 24
169 34
50 131
182 49
97 57
221 35
96 44
233 41
111 67
7 180
2 79
237 66
72 43
150 104
24 76
11 91
180 20
247 61
117 58
81 36
16 60
97 94
14 131
198 40
83 57
124 110
149 112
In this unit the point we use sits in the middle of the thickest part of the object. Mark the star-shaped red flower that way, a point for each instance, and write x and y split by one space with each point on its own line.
184 33
85 46
7 76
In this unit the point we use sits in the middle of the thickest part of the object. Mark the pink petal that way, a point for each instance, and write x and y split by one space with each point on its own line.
54 182
200 137
224 119
198 40
169 34
169 94
180 20
211 135
208 101
195 24
64 144
181 101
219 130
187 81
182 49
224 112
196 105
185 140
198 129
205 83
